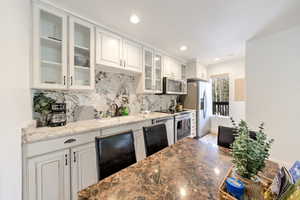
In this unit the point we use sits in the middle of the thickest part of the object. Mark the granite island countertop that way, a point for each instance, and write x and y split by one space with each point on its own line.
188 170
30 135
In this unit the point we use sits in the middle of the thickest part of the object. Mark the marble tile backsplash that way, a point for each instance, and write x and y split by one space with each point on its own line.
111 88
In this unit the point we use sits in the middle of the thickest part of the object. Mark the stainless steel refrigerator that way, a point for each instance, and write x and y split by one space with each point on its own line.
199 98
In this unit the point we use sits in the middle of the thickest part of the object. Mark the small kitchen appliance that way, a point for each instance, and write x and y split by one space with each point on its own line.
58 115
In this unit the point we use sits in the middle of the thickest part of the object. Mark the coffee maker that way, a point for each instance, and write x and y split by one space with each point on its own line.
58 116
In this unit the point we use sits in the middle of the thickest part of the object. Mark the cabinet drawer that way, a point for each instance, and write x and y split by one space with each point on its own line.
42 147
124 128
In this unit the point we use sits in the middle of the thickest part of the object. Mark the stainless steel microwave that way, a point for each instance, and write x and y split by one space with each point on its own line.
173 86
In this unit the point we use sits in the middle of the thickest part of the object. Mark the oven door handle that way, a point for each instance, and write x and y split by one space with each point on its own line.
179 118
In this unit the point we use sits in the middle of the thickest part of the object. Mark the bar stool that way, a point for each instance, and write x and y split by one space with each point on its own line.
114 153
155 138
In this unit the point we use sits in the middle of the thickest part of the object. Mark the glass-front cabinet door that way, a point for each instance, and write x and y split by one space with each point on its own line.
148 70
81 54
158 72
183 72
49 50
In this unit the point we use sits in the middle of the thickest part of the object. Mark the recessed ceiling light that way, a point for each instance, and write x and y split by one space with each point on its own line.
217 59
183 48
134 19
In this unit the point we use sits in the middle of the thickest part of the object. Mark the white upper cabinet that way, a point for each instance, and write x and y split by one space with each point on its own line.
51 55
148 70
183 72
178 70
133 56
114 51
65 54
172 68
151 80
158 72
196 70
109 49
81 54
49 48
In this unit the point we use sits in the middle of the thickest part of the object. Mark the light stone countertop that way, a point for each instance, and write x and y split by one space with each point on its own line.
30 135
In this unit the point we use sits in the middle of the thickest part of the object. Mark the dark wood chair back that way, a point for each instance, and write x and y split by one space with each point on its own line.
155 138
114 153
226 136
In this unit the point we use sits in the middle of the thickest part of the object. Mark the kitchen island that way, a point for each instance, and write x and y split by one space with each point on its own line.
190 169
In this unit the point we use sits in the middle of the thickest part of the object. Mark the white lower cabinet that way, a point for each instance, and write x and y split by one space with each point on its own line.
139 145
49 176
170 131
57 169
83 167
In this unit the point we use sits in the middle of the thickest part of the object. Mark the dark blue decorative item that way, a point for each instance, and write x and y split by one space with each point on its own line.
235 187
295 171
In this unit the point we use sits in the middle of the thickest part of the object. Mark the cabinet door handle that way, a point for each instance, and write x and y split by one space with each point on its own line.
70 141
66 159
124 63
71 80
64 80
74 157
121 63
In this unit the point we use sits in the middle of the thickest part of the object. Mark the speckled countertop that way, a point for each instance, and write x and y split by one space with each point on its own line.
30 135
189 170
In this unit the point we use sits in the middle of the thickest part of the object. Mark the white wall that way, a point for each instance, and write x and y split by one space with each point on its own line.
15 106
273 90
235 69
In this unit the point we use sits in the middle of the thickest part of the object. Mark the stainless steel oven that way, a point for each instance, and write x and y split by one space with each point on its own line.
173 86
182 126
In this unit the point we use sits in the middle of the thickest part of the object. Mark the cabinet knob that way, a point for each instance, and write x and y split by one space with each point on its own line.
74 156
66 159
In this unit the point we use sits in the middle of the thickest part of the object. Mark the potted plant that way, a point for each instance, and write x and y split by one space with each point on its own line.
42 105
249 154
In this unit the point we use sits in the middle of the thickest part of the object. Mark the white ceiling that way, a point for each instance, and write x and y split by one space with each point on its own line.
210 28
